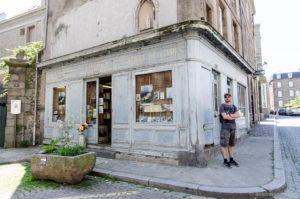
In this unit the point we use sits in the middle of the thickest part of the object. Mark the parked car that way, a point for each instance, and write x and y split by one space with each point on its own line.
282 111
295 112
272 112
289 112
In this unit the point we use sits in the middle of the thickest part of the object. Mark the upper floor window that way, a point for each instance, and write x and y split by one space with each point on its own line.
30 34
235 36
290 75
278 84
297 92
146 15
291 93
279 93
291 83
209 14
280 103
222 20
278 76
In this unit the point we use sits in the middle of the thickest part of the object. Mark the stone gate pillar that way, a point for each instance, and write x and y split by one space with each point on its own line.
16 91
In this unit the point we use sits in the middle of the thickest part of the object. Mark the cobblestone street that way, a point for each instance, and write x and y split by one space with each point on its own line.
289 133
13 186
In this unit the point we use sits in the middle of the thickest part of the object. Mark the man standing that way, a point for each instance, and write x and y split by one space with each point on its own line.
228 114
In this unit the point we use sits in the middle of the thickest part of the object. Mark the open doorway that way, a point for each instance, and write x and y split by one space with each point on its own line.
104 111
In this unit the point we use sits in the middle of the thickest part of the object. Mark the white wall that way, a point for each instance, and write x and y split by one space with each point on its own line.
100 21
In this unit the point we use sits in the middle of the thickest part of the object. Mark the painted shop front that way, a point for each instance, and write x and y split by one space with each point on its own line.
158 97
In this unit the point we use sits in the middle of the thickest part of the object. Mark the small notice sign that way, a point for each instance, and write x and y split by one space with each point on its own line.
15 107
43 161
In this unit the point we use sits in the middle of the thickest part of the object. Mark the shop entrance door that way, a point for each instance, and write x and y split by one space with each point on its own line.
216 104
104 110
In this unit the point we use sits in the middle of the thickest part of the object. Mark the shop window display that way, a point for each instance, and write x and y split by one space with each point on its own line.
91 108
154 99
59 104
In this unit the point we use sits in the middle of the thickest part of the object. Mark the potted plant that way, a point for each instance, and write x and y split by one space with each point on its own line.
67 163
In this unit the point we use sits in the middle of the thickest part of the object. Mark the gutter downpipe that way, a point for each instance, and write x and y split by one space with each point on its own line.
36 73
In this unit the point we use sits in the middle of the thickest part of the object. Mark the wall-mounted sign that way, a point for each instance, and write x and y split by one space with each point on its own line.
15 107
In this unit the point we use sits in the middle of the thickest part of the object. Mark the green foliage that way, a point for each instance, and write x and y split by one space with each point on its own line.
29 184
24 143
70 150
20 127
295 104
30 51
50 148
30 54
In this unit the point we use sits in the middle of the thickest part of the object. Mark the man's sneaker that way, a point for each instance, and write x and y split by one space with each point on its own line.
226 164
232 162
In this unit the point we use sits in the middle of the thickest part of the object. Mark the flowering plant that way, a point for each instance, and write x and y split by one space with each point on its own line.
82 127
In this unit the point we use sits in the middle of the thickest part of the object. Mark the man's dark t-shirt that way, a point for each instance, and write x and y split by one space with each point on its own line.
228 109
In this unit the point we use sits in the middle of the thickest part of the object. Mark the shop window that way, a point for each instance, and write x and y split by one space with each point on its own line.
30 34
146 15
229 86
59 104
22 31
242 99
216 90
154 99
91 103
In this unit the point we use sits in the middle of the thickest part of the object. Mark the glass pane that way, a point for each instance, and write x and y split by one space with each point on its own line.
91 106
154 100
59 104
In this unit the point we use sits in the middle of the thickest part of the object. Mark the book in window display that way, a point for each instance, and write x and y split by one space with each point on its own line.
61 98
155 104
147 94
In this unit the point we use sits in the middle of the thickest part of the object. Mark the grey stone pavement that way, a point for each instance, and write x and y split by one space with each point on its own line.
260 175
289 132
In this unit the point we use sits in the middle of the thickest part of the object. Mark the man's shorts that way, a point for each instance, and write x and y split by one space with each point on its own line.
227 137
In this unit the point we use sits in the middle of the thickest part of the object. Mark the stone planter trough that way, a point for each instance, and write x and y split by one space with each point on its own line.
62 169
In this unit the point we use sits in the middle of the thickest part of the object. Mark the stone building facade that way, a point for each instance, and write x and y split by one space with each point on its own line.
148 76
17 31
286 87
263 99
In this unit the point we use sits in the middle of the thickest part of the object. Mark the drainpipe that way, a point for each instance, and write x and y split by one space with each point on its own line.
36 73
242 28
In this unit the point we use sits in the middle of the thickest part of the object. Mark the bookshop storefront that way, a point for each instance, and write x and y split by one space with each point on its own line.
157 100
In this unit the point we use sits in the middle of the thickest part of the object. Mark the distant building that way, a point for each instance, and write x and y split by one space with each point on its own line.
286 87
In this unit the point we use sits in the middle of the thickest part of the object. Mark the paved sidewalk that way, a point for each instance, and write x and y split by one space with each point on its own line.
261 174
13 155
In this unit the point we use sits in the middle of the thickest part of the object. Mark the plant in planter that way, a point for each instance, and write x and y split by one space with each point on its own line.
67 163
